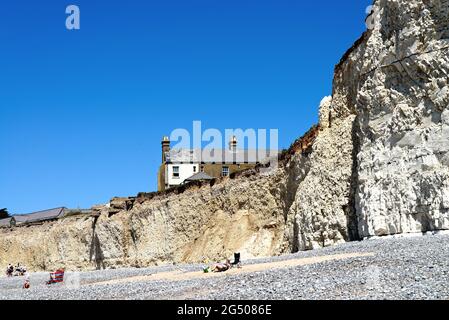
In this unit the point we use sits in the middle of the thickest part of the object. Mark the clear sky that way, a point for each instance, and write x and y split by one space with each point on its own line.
82 112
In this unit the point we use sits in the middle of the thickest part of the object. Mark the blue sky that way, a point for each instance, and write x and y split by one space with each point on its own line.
82 112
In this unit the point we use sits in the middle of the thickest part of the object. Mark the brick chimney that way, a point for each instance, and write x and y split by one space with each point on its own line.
165 148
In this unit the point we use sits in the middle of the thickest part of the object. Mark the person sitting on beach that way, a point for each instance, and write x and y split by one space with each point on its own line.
26 285
9 270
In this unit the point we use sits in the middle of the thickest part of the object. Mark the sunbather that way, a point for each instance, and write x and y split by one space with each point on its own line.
20 270
221 267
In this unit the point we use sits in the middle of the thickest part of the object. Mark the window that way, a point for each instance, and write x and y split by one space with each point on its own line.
194 169
202 168
225 171
176 172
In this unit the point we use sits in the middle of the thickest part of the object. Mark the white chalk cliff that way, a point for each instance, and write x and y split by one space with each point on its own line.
377 165
402 105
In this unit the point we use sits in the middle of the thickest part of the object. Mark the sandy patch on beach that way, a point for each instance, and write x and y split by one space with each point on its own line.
180 275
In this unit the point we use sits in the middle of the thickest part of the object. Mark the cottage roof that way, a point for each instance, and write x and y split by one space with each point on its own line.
219 155
199 177
40 216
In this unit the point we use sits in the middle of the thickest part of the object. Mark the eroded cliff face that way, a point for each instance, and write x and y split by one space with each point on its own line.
320 212
397 84
207 223
378 164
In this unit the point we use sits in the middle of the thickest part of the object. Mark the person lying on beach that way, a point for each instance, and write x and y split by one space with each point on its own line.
20 271
219 267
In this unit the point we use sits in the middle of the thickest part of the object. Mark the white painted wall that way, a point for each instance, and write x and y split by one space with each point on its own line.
185 172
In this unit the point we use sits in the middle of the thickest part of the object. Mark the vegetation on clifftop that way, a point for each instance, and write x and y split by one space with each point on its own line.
4 213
